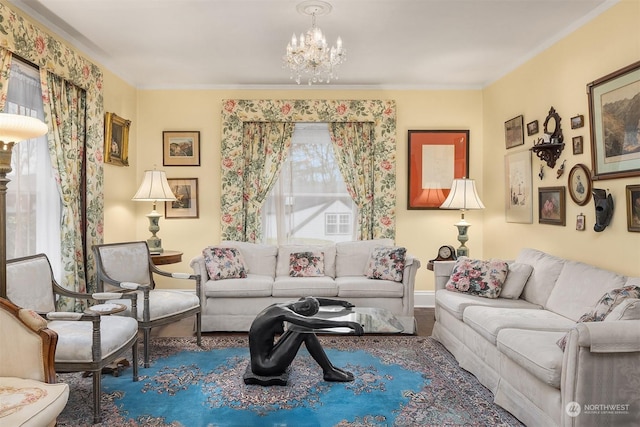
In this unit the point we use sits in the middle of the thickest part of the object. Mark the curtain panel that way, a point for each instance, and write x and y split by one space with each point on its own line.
237 112
265 147
21 37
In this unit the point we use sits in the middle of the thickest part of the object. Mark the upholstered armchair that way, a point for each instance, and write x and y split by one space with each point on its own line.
87 342
30 395
128 267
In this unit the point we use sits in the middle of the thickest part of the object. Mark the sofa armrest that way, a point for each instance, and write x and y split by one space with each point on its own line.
442 270
601 366
411 266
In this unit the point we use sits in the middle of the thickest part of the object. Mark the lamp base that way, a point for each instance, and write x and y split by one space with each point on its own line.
462 226
154 242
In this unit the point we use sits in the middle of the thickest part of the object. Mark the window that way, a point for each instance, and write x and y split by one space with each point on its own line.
309 202
33 200
337 223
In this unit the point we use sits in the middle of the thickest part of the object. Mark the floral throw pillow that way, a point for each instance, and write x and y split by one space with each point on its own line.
604 307
386 263
224 263
306 264
477 277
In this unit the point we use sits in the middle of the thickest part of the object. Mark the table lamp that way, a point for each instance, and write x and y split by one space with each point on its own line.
154 188
13 129
463 196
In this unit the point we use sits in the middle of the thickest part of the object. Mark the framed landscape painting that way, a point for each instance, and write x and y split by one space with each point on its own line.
181 148
186 203
514 132
436 158
615 123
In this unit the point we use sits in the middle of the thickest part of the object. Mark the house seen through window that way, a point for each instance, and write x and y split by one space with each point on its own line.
309 203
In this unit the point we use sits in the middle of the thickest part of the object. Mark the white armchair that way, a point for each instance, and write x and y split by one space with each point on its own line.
29 395
128 267
86 341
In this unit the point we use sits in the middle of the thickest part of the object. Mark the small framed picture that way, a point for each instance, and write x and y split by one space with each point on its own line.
633 208
578 146
552 206
580 222
186 203
116 140
181 148
514 132
577 122
532 128
580 184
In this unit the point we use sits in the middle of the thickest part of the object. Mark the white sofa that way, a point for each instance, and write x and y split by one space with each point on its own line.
232 304
510 344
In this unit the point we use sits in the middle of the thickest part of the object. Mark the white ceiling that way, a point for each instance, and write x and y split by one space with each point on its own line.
391 44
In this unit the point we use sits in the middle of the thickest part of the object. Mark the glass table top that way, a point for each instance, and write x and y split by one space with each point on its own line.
373 320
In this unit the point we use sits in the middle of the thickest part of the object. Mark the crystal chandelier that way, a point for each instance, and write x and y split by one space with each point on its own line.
309 55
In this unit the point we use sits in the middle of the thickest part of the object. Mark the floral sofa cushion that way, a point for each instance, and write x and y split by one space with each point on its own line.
306 264
386 263
224 263
477 277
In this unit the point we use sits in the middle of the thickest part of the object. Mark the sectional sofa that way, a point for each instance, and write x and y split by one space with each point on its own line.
512 343
231 304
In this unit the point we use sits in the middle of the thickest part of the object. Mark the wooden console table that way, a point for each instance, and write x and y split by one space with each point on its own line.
166 257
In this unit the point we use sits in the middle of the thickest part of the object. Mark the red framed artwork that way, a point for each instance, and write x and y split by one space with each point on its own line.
436 158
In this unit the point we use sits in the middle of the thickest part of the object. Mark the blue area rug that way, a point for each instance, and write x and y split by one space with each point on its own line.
400 381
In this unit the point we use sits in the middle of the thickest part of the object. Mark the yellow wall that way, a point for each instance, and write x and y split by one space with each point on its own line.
422 232
558 77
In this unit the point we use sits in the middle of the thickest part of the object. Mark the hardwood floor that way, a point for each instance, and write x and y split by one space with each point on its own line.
184 328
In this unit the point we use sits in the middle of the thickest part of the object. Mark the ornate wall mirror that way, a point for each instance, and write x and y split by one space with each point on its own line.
549 148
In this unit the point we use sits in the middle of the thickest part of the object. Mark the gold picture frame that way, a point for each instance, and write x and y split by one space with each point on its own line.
116 140
181 148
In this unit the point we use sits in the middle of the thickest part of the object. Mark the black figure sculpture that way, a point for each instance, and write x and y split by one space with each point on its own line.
270 358
604 208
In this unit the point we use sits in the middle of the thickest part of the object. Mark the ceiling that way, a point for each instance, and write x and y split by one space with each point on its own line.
235 44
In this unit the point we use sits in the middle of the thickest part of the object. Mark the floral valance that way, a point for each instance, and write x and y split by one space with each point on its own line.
235 112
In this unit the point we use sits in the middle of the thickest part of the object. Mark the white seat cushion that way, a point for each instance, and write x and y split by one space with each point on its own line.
489 321
456 302
253 286
285 286
360 286
162 303
75 337
536 351
33 403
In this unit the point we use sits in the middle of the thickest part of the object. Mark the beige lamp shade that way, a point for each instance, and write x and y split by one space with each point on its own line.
463 195
154 188
16 128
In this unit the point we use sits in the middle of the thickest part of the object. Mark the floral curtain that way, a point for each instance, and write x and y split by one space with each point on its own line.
265 148
352 143
237 112
21 37
5 70
65 114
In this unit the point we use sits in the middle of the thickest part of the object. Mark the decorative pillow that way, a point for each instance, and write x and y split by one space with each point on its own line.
224 263
476 277
517 277
386 263
605 306
629 309
306 264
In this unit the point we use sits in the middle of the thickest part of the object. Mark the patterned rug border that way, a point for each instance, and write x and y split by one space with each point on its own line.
449 387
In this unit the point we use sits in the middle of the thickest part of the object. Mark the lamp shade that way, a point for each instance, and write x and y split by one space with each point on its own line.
16 128
463 195
154 188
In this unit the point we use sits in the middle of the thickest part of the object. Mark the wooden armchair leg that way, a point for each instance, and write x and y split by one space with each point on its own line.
97 394
145 348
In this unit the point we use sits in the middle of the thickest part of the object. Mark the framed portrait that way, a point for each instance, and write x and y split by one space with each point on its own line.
116 140
578 145
551 205
532 128
577 121
580 225
514 132
186 203
436 158
181 148
519 187
615 139
633 208
580 184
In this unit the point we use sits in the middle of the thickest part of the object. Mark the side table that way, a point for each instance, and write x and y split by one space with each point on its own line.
166 257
